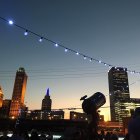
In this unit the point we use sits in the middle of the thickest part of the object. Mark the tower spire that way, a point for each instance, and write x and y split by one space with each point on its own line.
48 92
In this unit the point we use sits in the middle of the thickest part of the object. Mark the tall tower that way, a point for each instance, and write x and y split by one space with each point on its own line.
18 96
46 102
1 97
118 92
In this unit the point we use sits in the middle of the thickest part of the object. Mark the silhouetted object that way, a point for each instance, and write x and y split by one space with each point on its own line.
108 136
83 98
134 126
90 107
16 135
102 135
42 136
34 135
4 137
25 135
114 137
126 137
94 101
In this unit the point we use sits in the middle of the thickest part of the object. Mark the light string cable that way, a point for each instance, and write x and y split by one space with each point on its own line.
41 38
62 109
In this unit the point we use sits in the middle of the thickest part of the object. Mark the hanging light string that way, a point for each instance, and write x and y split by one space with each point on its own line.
66 49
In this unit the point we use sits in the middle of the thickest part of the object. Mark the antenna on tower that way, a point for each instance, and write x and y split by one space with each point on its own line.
48 92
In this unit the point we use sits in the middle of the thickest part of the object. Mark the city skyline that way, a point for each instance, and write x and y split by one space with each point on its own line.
108 31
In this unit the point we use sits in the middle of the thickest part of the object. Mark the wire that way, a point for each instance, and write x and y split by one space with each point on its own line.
64 47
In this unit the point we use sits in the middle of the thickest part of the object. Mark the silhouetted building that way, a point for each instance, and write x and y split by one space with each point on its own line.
5 108
17 103
46 106
36 115
57 115
46 115
77 116
101 118
46 102
1 97
109 126
130 106
119 92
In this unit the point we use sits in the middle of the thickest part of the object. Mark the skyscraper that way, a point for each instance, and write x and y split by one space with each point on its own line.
1 97
18 96
118 92
46 102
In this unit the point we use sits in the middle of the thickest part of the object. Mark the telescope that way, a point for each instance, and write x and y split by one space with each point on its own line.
90 106
93 103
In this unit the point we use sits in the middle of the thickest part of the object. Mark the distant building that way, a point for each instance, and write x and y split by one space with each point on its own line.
46 102
46 106
57 115
36 115
130 106
4 111
48 115
118 92
1 97
17 103
111 127
78 116
101 118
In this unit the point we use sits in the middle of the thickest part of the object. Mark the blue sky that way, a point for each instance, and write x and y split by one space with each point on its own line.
106 30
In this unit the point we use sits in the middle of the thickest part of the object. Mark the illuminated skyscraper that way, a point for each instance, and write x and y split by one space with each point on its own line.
1 97
46 102
119 92
18 96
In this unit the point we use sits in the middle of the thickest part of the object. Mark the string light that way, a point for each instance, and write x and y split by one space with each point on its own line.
65 48
41 39
10 22
77 53
26 33
56 45
85 57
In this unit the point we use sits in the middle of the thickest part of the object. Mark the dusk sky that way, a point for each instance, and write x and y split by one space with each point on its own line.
107 30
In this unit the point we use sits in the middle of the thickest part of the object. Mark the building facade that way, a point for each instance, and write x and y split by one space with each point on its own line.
1 97
46 115
4 111
78 116
46 102
118 93
46 106
17 103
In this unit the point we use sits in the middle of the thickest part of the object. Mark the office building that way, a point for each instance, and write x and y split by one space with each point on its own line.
118 92
4 111
46 102
46 106
1 97
78 116
57 115
17 103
